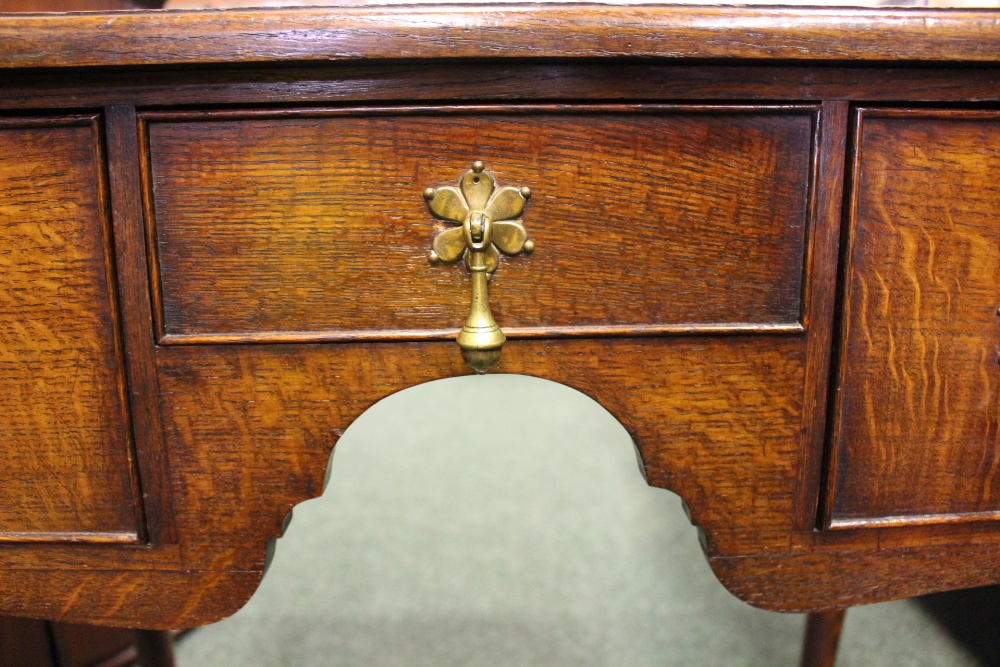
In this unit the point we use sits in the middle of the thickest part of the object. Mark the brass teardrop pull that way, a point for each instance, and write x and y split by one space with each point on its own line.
488 218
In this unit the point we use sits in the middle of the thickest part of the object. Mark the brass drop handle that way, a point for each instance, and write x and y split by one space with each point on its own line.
488 218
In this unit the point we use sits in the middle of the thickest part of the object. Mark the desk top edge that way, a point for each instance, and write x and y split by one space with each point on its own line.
362 33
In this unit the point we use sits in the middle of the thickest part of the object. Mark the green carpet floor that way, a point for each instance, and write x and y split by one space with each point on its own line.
502 520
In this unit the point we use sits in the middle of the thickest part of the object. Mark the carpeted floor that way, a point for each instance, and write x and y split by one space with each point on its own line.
502 520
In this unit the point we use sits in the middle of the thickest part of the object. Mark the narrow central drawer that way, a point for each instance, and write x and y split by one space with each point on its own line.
311 224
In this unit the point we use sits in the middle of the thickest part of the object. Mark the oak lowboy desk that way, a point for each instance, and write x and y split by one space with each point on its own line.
767 240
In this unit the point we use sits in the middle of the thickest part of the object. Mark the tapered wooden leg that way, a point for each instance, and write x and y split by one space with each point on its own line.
822 636
155 647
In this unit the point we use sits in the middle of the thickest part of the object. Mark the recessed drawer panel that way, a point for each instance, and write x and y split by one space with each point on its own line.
66 471
916 433
307 225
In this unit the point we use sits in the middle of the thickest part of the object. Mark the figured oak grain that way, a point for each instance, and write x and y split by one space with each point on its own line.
67 470
917 437
576 30
314 225
734 424
252 426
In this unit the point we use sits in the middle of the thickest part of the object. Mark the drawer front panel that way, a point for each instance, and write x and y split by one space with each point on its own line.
67 471
916 439
312 225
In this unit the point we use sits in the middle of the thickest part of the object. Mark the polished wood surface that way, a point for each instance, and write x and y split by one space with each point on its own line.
230 399
822 636
254 276
67 471
321 35
918 396
498 81
137 321
644 218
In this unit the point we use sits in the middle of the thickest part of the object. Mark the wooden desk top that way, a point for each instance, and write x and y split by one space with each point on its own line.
559 30
766 240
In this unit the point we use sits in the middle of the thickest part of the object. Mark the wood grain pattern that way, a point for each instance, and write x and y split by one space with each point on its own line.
252 426
312 226
830 579
917 436
137 322
126 598
69 555
822 636
508 31
67 471
820 303
230 437
496 80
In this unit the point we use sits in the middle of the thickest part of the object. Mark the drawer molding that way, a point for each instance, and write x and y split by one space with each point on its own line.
513 333
766 297
919 227
71 536
901 520
69 472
